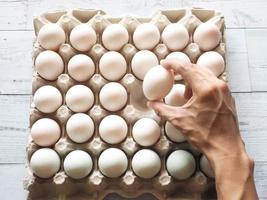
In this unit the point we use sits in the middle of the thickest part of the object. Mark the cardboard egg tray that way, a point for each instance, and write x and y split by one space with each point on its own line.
96 186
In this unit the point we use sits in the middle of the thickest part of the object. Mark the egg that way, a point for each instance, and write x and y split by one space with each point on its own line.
181 164
113 129
146 36
112 162
205 167
49 65
146 163
45 163
82 37
79 98
113 96
51 36
173 133
115 36
157 83
47 99
175 37
80 127
81 67
142 62
78 164
45 132
146 132
207 36
112 66
181 57
176 96
213 61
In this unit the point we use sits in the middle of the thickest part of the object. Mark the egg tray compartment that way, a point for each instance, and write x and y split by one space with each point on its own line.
96 186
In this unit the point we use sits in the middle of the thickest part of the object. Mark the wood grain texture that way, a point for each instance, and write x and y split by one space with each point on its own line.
238 13
256 44
246 37
15 62
11 179
237 60
14 119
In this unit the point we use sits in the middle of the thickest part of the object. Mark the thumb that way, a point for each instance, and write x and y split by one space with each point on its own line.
164 110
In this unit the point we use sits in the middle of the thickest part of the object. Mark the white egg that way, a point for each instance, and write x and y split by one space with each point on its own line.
142 62
181 164
112 66
83 37
113 129
175 37
51 36
213 61
80 127
205 167
115 36
79 98
49 65
112 162
45 163
47 99
45 132
207 36
81 67
157 83
176 96
146 132
113 96
78 164
146 163
173 133
181 57
146 36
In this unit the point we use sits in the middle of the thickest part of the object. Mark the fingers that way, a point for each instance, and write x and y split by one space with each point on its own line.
170 113
163 109
188 92
196 77
176 66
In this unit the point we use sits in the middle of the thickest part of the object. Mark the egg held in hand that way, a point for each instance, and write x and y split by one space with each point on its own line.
157 83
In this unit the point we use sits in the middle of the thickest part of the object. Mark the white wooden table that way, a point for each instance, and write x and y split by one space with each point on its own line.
246 22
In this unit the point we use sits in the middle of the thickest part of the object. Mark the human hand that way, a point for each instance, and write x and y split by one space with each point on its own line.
209 121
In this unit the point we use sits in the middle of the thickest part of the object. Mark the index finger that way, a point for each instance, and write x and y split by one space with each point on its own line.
197 78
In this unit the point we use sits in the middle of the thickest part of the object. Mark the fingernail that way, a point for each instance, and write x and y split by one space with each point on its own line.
162 61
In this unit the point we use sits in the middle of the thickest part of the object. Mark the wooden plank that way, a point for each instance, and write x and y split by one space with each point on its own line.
237 60
11 177
260 175
238 13
115 8
13 127
13 15
252 114
15 62
256 44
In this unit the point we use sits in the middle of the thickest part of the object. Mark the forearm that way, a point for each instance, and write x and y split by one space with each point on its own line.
234 176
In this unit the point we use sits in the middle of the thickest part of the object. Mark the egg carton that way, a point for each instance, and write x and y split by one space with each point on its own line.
96 186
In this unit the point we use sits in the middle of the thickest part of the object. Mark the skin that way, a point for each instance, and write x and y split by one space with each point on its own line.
209 121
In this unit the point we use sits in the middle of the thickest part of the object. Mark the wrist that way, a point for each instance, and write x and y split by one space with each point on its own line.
232 170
